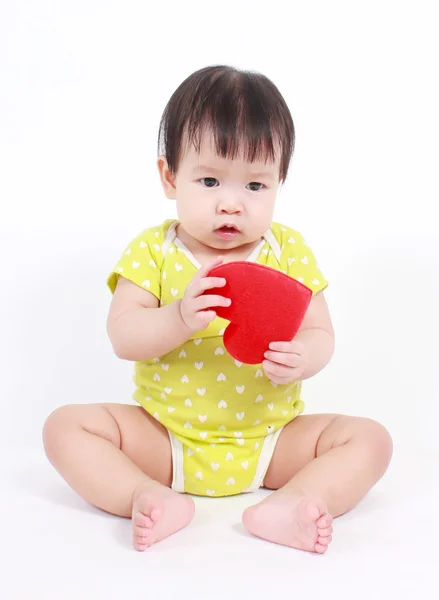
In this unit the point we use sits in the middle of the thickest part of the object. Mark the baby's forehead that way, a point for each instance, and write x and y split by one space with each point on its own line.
204 153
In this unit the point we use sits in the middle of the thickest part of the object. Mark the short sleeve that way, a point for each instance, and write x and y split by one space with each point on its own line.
141 262
299 261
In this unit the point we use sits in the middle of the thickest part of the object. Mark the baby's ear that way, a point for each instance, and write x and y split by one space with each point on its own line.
166 177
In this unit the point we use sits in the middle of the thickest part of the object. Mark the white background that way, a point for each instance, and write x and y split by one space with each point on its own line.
82 88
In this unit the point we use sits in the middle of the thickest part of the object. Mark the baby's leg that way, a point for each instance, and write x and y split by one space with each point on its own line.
322 467
118 458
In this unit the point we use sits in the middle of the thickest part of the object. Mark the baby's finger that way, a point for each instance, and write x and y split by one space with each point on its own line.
280 374
277 370
206 317
207 283
283 358
203 302
205 270
198 286
292 347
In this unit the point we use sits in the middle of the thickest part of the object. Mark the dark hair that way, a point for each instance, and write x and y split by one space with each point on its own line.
242 108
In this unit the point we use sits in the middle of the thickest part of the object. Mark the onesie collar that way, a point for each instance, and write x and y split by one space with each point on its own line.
171 238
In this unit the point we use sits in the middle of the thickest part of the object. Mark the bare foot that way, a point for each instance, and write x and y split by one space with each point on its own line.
157 513
295 521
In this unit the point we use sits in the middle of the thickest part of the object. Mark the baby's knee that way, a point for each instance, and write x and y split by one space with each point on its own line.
55 428
378 441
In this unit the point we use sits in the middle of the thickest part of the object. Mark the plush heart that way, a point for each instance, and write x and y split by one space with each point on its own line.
267 306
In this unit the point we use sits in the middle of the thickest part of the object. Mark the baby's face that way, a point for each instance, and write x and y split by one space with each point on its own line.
213 192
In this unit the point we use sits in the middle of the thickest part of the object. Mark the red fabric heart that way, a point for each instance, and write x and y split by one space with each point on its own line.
267 306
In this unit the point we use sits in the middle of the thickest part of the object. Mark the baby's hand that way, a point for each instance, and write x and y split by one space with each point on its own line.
286 362
193 304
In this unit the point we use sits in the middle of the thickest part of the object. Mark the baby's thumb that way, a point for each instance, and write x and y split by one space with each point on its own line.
207 317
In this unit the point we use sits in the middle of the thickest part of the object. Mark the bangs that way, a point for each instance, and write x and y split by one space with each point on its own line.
244 111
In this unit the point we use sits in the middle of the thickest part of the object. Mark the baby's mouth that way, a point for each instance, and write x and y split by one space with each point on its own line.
227 231
228 228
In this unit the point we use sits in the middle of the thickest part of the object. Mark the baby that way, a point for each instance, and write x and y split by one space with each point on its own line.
206 424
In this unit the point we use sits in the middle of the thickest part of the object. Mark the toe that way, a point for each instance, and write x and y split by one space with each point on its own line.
140 547
324 532
140 531
324 541
142 520
324 521
309 511
320 549
156 514
140 540
140 543
313 511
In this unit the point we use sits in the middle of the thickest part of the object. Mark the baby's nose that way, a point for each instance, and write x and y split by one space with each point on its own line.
230 206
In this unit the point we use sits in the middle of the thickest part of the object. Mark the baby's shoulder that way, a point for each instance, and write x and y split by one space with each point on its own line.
151 240
286 235
155 235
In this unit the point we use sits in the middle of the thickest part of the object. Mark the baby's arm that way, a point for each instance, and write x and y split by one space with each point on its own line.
140 330
308 353
317 334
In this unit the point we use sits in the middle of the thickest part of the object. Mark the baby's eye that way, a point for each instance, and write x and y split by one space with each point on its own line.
254 186
209 181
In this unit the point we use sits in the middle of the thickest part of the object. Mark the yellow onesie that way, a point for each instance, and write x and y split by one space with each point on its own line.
223 417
